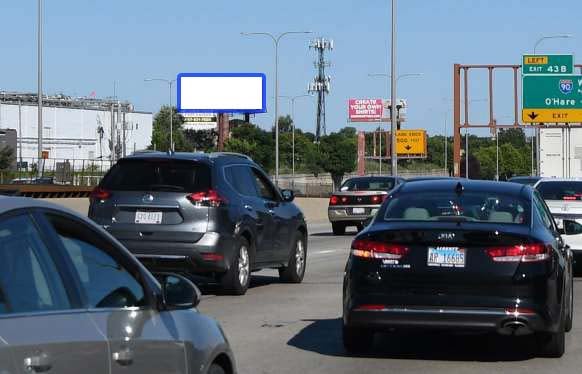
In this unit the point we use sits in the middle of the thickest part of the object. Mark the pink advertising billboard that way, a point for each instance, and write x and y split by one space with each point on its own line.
365 110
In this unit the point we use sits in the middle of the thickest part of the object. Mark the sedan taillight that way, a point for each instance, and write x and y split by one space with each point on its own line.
209 198
521 253
364 248
100 194
333 200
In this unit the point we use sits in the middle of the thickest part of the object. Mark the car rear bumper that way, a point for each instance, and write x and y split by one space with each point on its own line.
345 213
211 254
469 319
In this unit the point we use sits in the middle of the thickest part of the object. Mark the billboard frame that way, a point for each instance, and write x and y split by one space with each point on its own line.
263 77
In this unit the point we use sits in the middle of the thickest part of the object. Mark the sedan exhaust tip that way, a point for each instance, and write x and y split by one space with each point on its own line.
515 328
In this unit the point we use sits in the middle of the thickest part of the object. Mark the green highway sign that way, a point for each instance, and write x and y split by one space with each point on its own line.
547 64
552 98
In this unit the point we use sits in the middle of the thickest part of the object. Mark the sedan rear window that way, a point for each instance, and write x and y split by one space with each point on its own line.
368 184
569 190
158 175
471 207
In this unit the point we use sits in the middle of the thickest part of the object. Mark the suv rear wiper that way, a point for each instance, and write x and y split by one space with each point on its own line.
455 218
165 187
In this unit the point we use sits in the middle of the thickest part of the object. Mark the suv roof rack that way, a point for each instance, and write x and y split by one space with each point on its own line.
231 154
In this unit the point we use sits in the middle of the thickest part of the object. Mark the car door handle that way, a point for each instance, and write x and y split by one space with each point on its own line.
123 357
248 207
271 212
39 364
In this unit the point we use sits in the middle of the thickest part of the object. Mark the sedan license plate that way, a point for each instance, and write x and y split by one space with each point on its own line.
446 257
145 217
359 210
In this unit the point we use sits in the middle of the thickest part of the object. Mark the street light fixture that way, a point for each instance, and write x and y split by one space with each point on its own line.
292 99
376 75
545 37
276 39
169 82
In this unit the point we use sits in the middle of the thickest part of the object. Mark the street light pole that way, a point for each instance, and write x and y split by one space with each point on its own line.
276 40
169 82
446 145
393 94
39 92
292 99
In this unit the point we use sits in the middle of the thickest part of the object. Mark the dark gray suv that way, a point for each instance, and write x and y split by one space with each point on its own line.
214 214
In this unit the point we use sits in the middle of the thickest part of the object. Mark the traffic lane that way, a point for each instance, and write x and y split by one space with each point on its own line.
287 328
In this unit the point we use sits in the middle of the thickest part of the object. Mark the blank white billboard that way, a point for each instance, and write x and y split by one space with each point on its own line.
221 93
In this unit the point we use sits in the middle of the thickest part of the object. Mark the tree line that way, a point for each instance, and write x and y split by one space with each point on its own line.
336 153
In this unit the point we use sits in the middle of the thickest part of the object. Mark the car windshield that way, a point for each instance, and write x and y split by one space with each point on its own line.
567 190
158 175
368 184
470 207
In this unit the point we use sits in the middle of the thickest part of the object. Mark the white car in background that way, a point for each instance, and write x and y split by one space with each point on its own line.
564 198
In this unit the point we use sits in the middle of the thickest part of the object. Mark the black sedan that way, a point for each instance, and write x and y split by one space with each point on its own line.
460 255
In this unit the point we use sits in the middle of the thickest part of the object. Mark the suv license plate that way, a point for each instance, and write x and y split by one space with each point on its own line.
151 218
446 257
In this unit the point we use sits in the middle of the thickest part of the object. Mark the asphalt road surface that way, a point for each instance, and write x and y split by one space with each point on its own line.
285 328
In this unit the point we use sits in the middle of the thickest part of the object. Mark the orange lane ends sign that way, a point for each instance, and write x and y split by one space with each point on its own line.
411 142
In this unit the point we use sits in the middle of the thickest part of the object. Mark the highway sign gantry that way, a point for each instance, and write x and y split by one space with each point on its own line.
547 64
552 98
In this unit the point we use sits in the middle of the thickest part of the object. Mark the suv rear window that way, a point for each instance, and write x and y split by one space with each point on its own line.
158 175
468 207
560 190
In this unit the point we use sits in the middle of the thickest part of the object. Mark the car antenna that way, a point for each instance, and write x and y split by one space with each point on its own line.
459 188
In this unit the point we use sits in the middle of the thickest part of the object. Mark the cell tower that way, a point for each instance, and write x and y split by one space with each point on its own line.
321 84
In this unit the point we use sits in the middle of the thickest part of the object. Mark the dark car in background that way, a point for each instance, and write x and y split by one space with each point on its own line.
528 179
461 256
358 200
214 214
74 300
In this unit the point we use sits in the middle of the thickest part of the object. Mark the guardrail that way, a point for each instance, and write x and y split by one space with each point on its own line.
45 190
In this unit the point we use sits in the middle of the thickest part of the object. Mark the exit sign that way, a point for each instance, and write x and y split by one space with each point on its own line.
547 64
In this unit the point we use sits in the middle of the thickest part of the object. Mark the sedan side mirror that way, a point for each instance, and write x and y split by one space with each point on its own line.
178 292
288 195
570 227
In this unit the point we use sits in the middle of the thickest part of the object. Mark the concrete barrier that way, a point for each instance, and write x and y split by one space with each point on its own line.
315 209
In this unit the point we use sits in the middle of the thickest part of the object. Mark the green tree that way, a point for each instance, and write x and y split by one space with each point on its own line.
513 136
161 131
285 124
338 154
6 157
201 140
260 145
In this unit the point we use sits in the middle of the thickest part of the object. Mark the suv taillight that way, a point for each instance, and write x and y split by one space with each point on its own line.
364 248
100 194
521 253
209 198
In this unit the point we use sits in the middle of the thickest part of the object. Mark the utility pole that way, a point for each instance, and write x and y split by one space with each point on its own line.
393 94
39 82
321 84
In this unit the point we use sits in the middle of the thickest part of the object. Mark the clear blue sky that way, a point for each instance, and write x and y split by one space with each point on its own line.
91 43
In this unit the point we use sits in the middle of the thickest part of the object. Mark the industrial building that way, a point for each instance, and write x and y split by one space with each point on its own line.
75 129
